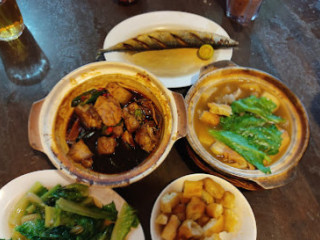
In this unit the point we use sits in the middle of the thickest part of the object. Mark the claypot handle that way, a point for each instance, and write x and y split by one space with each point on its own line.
33 126
216 65
277 180
182 115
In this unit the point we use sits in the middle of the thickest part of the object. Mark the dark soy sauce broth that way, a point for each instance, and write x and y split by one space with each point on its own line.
125 157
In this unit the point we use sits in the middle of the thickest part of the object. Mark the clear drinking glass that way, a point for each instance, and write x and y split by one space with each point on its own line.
243 11
11 21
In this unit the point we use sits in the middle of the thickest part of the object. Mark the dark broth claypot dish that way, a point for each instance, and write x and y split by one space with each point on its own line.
246 124
107 123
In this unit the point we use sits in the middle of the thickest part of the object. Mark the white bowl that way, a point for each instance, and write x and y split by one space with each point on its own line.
247 225
13 191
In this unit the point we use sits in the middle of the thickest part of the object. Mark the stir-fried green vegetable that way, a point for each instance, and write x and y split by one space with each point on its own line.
250 130
88 97
68 213
261 107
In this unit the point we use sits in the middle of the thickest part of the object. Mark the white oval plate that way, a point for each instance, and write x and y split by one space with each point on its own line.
152 61
13 190
246 230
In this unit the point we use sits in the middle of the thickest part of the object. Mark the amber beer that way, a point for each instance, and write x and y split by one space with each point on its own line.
11 22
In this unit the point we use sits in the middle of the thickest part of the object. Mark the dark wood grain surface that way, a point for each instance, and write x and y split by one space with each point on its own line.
63 35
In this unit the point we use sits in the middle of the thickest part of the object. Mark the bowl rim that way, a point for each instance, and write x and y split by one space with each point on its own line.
285 173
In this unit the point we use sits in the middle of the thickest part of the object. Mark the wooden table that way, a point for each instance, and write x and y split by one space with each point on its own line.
283 41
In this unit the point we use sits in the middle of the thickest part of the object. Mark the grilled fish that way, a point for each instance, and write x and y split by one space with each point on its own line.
169 39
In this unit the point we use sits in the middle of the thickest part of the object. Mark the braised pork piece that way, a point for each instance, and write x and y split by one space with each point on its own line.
112 129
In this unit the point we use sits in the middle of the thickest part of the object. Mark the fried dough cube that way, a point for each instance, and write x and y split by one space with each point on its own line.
192 189
230 220
228 200
190 229
213 226
220 109
272 98
209 118
79 151
162 219
119 93
205 138
180 211
285 140
203 220
213 188
169 201
169 232
214 210
229 155
206 197
195 208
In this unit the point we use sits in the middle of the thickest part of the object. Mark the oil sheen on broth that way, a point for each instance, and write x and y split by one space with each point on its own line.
227 92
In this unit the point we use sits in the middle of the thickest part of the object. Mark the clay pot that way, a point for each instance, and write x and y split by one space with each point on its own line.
49 117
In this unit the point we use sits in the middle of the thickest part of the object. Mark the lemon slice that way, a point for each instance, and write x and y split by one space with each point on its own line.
205 52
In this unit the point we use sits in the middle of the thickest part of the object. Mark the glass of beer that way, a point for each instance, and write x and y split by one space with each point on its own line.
243 11
11 22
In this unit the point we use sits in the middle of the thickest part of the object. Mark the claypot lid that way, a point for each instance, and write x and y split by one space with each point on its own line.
49 117
284 169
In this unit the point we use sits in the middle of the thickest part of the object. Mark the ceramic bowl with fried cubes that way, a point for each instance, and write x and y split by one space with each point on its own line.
202 206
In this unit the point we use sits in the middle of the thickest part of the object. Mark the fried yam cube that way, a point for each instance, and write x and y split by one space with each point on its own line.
213 188
127 138
119 93
79 151
230 220
106 145
117 130
169 232
220 109
162 219
109 110
213 226
228 200
209 118
88 116
190 229
195 208
148 136
130 117
192 189
169 201
214 210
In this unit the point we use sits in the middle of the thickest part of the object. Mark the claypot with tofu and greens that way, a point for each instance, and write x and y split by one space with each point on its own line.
107 123
245 123
242 125
112 129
